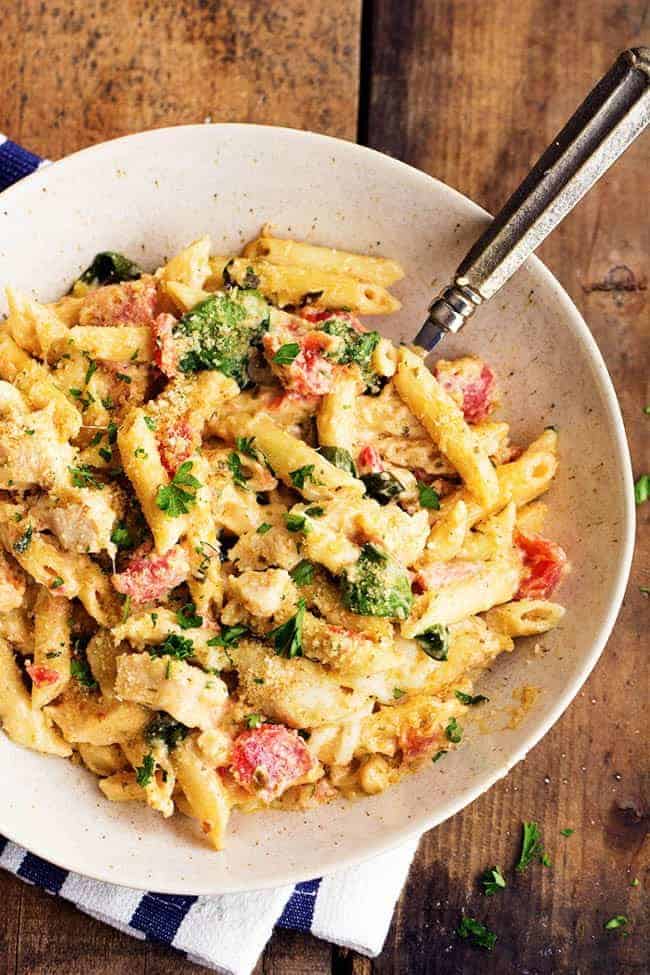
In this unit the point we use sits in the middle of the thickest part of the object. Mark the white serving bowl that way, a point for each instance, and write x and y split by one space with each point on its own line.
150 194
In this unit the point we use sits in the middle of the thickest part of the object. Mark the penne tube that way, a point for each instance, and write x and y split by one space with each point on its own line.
117 343
525 617
378 270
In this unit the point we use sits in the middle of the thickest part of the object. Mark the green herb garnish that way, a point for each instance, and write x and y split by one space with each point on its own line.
109 267
429 497
295 523
286 354
144 772
470 699
21 544
531 845
382 486
435 641
340 457
616 922
165 728
174 498
264 528
239 475
567 832
80 670
254 720
303 573
642 489
229 636
376 586
187 617
174 645
83 476
287 638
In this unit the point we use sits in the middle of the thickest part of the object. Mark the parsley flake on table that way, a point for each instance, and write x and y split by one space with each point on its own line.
174 498
492 881
642 489
287 638
567 832
616 922
439 755
531 845
476 933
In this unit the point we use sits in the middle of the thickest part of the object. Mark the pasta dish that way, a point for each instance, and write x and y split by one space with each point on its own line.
251 553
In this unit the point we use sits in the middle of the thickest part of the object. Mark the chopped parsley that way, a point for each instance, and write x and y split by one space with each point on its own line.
121 536
453 731
642 489
239 475
264 528
111 431
470 699
315 512
30 432
83 476
126 609
476 933
567 832
492 881
246 445
616 922
439 755
144 772
295 523
340 457
80 670
106 454
382 486
303 573
287 638
90 371
123 378
398 692
286 354
301 475
175 498
165 728
435 641
57 582
97 438
545 859
174 645
229 636
140 452
150 422
254 720
187 617
21 544
429 497
531 845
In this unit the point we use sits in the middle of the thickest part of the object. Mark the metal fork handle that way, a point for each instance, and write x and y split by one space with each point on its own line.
611 117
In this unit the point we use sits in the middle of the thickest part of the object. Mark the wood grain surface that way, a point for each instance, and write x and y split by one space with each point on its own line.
470 92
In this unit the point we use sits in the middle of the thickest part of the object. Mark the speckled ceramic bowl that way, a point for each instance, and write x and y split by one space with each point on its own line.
148 195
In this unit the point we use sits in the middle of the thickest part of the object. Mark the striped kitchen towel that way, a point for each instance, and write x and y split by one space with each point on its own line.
352 908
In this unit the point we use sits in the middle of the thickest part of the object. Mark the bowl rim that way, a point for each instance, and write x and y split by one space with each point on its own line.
411 830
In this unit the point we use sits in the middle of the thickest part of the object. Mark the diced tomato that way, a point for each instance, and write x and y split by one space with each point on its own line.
41 675
165 353
471 383
369 461
415 746
439 574
176 442
544 565
131 303
269 759
149 577
310 373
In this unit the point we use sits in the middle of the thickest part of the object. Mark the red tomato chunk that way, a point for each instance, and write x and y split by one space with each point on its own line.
472 384
41 675
269 759
369 461
544 565
150 577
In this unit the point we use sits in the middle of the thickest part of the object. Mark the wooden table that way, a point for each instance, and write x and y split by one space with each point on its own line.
471 92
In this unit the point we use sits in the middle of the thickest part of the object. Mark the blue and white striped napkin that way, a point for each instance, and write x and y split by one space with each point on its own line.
352 908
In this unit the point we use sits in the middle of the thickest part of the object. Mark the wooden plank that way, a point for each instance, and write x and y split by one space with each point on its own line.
77 73
81 72
472 93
